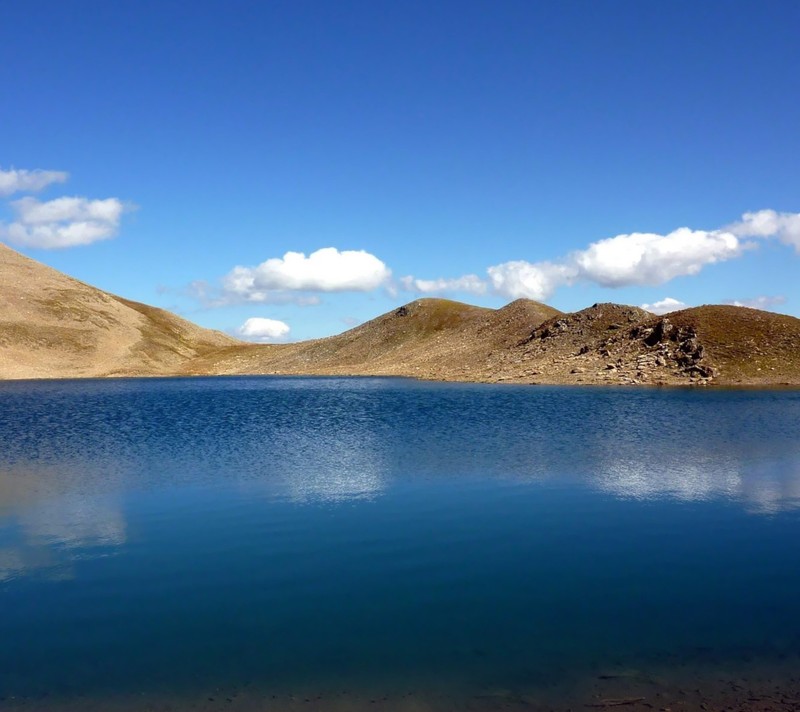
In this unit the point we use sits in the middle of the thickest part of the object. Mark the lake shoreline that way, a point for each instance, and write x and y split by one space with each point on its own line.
680 384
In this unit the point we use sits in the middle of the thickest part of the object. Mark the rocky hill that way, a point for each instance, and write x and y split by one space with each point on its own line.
610 343
53 326
528 342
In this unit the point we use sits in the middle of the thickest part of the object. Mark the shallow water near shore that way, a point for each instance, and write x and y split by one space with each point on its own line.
342 543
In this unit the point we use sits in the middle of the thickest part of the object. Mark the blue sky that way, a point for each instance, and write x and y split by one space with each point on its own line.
475 150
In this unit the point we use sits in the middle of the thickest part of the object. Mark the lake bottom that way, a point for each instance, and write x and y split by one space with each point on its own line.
693 684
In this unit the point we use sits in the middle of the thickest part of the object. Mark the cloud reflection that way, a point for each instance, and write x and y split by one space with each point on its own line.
74 523
52 518
333 467
50 536
761 488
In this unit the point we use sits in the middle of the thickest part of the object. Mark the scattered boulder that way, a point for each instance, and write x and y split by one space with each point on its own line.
557 327
700 370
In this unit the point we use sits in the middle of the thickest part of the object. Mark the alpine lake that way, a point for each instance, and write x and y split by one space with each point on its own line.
287 543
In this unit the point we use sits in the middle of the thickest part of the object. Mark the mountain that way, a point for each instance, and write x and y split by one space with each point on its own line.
529 342
53 326
612 343
429 338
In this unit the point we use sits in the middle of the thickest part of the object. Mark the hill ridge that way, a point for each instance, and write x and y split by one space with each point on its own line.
54 326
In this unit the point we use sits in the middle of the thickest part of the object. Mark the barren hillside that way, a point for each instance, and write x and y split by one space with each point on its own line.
428 338
53 326
528 342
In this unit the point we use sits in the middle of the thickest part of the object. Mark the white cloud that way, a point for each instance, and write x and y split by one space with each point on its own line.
26 181
63 222
621 261
263 330
647 258
769 223
33 212
469 283
624 260
763 302
326 270
664 306
531 280
211 296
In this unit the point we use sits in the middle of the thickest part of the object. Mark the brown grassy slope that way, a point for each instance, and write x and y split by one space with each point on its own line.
430 338
53 326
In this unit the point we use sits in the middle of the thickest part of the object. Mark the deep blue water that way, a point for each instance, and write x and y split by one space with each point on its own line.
381 535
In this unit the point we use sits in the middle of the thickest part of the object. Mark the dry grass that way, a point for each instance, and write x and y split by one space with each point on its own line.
749 346
428 338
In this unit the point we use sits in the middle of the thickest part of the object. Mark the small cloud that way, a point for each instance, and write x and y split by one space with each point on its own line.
770 223
63 222
211 296
665 306
262 330
26 181
763 302
326 270
470 283
530 280
350 321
